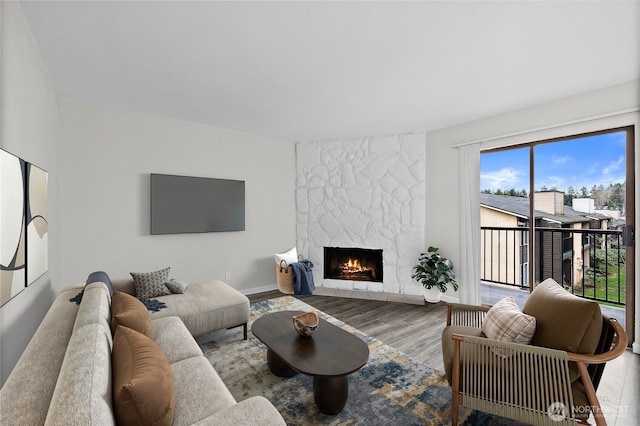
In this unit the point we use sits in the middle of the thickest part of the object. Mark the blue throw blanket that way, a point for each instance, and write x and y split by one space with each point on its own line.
153 305
93 277
302 278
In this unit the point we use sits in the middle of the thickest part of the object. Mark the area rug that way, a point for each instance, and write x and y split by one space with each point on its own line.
391 389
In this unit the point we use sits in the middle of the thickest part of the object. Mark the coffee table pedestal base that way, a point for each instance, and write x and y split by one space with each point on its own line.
330 393
278 366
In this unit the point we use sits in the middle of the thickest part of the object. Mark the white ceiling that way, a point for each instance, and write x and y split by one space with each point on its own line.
327 70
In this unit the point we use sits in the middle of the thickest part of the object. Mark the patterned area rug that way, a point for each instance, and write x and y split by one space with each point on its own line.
391 389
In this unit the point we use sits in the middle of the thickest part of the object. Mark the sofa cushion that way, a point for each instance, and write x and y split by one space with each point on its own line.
199 391
171 335
83 390
256 410
143 390
28 389
151 284
506 323
563 321
128 311
94 306
207 307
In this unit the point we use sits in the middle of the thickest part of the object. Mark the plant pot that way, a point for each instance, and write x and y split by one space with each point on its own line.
432 295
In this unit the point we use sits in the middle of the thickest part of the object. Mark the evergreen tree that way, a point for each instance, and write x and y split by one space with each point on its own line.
583 192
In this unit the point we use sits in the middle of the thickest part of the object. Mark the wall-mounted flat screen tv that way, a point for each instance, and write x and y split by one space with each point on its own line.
185 204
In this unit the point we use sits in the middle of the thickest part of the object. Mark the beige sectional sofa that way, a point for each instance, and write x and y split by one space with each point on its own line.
204 307
65 374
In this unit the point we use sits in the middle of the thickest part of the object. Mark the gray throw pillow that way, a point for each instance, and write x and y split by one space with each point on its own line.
151 284
176 286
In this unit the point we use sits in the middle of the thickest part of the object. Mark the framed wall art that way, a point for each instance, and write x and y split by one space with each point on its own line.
12 226
36 223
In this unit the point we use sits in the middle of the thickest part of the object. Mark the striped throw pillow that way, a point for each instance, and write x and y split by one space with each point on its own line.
505 322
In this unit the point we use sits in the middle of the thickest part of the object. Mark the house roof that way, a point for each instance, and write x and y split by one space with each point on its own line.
519 206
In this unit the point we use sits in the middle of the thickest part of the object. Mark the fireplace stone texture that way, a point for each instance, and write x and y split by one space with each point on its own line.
367 193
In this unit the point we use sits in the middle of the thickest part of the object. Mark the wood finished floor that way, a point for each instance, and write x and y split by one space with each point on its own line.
416 330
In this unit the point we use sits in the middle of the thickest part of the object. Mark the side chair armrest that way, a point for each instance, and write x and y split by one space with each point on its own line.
466 315
618 348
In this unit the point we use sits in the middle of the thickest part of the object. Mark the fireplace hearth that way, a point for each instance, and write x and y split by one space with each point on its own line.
353 264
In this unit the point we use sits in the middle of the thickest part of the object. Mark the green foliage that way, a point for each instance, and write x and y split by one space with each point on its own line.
434 270
510 192
605 279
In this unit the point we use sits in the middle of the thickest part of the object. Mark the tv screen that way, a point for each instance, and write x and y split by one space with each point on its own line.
184 204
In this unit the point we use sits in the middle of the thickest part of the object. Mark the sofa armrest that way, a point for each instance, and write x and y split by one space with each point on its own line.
466 315
256 411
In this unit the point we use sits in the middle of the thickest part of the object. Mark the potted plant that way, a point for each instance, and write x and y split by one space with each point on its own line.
434 272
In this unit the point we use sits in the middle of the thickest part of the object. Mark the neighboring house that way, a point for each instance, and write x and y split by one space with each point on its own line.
505 238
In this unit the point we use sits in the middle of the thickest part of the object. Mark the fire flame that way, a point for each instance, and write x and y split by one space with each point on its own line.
353 265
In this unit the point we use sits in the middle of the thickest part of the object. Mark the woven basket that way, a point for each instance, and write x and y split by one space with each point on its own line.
284 277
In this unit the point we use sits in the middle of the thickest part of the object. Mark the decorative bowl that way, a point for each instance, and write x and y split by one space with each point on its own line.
305 324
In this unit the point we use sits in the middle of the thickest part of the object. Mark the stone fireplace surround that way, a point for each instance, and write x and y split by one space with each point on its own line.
367 193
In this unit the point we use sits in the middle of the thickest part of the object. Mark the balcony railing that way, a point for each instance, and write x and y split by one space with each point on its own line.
590 263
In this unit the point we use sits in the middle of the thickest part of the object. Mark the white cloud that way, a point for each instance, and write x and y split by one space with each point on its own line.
560 160
613 166
505 178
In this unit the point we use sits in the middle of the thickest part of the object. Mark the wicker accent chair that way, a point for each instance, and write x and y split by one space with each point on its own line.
551 381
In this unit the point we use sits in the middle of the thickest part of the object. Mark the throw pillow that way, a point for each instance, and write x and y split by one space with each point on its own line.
290 256
128 311
176 286
151 284
506 323
142 381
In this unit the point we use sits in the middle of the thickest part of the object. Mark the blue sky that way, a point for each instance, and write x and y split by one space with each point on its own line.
594 160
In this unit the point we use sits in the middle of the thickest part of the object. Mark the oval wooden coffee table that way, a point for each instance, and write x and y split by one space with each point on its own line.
330 354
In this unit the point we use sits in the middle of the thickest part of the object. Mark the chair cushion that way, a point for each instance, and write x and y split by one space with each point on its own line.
582 407
128 311
142 380
447 344
506 323
563 321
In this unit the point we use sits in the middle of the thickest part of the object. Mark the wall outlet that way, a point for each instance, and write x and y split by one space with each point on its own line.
227 276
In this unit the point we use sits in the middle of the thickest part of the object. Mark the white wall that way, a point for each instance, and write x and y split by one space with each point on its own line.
106 157
442 159
29 130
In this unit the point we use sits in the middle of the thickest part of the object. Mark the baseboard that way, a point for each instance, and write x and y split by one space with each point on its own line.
370 295
636 348
356 294
254 290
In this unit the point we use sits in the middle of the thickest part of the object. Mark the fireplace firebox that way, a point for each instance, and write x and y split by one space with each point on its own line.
353 264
